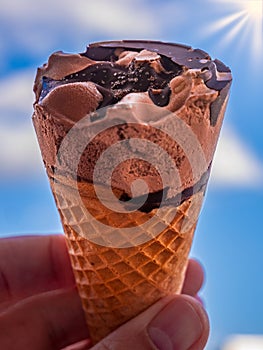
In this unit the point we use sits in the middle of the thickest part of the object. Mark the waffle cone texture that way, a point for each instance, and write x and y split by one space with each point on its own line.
116 284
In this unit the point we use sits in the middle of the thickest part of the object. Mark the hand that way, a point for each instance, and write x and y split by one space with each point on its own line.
40 308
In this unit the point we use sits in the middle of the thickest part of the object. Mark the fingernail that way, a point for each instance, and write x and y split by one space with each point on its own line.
178 326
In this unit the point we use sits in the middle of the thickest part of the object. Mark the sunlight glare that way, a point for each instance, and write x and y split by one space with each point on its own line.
242 27
223 22
254 8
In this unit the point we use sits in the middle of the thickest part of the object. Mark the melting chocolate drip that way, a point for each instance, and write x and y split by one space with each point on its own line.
156 199
159 198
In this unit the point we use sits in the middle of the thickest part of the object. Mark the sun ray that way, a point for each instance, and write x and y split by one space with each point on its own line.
256 43
225 21
235 30
257 37
232 34
241 28
222 23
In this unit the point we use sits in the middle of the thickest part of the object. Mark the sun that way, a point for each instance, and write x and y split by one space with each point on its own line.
254 8
253 11
240 27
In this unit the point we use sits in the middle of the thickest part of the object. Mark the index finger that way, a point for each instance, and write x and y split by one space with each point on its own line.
33 264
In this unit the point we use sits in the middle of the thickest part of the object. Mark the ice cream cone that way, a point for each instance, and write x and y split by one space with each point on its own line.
126 256
116 284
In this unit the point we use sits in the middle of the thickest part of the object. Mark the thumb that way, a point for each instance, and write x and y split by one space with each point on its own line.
176 322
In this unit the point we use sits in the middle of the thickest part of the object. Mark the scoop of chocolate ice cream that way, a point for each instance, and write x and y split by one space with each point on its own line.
177 80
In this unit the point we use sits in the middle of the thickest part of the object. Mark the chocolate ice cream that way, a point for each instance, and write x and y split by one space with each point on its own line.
174 77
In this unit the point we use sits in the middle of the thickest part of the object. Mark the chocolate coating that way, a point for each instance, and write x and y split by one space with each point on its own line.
160 97
114 81
181 55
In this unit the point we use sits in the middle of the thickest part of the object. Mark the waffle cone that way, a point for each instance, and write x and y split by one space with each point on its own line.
116 284
169 148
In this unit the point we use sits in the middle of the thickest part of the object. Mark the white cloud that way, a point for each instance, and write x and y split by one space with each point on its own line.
19 152
234 163
117 17
244 342
16 95
39 28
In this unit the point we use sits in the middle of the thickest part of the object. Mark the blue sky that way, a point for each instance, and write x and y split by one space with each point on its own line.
229 236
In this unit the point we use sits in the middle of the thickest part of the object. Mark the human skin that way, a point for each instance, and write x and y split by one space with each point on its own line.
40 308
